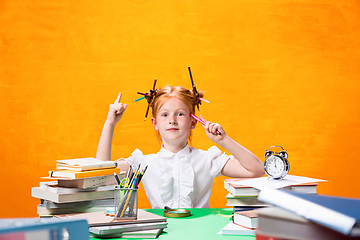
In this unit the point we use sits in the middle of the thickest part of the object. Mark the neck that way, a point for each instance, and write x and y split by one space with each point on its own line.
174 148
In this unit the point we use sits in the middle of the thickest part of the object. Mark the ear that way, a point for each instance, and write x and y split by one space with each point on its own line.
193 123
153 121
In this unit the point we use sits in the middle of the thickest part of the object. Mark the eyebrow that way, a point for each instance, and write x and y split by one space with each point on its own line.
166 110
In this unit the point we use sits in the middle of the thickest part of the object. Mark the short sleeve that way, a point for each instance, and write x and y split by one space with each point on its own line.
136 159
217 160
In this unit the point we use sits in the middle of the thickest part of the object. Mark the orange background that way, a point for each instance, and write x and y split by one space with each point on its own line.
276 72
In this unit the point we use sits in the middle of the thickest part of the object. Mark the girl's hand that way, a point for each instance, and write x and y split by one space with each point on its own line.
116 111
212 129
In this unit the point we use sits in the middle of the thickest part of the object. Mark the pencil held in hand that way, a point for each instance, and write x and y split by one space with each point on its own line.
202 122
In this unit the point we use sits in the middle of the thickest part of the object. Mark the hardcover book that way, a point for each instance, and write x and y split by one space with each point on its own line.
337 213
97 219
84 164
115 229
278 223
247 219
90 182
244 201
43 193
236 188
72 174
153 233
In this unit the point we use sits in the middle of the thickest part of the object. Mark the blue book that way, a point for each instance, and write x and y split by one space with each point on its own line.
44 229
338 213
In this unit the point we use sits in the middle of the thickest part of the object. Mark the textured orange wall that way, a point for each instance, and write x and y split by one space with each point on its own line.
276 72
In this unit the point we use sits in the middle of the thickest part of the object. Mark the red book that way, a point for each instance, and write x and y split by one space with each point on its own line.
247 219
259 236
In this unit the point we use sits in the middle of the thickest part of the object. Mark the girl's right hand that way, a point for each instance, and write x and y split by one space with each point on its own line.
116 111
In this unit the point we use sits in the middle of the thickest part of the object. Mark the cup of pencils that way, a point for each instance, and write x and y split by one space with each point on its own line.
125 203
126 194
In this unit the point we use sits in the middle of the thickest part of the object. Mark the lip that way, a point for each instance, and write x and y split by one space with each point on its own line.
172 129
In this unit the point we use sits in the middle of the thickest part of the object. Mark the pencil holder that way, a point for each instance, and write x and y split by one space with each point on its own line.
125 203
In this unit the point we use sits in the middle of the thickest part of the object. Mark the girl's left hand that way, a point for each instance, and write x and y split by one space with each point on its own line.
213 130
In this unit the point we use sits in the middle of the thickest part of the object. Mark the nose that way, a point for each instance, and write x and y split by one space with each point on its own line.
172 120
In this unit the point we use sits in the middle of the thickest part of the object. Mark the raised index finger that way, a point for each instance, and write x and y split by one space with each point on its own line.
118 98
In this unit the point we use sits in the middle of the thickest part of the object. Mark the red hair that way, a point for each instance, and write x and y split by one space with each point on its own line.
186 96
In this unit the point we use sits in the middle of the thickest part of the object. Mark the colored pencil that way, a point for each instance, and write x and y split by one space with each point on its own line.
202 122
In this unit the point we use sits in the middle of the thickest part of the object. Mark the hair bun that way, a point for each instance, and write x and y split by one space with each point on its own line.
150 96
197 97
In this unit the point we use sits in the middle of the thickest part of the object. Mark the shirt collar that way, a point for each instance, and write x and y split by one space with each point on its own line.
164 153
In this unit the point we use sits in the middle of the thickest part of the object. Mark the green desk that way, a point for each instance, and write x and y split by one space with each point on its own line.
205 223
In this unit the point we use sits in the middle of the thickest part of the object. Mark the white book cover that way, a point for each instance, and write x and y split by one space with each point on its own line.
234 229
152 233
104 230
289 180
53 187
42 193
83 164
248 219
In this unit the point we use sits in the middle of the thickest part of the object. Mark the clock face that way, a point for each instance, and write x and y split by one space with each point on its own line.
275 167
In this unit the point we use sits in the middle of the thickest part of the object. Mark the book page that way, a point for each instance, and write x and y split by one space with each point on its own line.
84 161
266 182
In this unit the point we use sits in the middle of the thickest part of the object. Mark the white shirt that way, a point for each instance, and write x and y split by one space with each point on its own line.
179 180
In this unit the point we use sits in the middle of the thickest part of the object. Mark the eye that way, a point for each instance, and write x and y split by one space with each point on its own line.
164 114
180 114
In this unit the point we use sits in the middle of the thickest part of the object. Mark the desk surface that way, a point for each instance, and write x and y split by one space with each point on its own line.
205 223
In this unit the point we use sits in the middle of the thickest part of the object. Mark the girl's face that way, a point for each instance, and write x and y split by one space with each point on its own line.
173 122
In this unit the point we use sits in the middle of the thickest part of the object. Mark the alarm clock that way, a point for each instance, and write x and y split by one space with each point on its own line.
276 164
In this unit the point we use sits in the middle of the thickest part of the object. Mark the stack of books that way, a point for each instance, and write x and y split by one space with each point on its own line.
244 200
147 225
303 216
78 186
